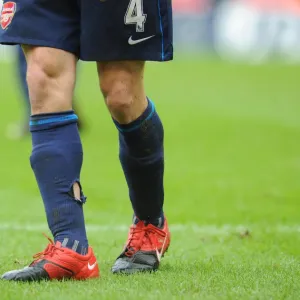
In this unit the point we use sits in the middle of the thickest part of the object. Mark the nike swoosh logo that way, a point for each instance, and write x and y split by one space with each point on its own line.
160 254
134 42
92 267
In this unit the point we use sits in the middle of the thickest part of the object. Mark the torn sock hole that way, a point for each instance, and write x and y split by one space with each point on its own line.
76 192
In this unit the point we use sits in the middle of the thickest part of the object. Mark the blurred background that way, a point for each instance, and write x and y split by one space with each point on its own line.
247 30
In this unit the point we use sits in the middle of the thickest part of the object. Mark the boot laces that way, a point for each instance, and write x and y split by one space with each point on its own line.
50 250
139 236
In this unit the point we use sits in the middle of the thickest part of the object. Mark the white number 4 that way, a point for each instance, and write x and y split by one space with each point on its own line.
135 15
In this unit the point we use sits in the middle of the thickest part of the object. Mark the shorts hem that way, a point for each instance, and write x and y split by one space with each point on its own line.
141 57
144 56
34 42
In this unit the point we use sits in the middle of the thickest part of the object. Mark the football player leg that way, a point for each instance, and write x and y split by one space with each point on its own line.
141 138
139 31
56 161
20 130
56 157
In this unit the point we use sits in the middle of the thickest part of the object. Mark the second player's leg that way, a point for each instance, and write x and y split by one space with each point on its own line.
20 129
22 71
141 138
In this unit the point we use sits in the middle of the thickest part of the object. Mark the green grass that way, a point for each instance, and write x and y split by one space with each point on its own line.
232 165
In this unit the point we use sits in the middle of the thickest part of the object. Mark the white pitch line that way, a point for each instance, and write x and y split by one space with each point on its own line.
200 229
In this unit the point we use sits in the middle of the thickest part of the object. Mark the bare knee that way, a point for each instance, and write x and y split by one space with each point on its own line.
39 83
50 78
117 92
122 86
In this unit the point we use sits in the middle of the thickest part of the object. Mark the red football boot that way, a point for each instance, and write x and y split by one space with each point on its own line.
57 263
144 249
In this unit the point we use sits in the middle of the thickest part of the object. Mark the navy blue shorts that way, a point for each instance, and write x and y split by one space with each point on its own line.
94 30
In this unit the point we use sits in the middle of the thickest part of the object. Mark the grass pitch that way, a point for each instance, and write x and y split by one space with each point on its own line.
232 186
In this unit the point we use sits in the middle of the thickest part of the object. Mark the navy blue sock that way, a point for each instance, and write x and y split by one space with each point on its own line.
56 161
142 159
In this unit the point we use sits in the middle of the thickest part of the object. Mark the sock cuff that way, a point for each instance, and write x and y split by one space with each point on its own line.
46 115
52 120
136 124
